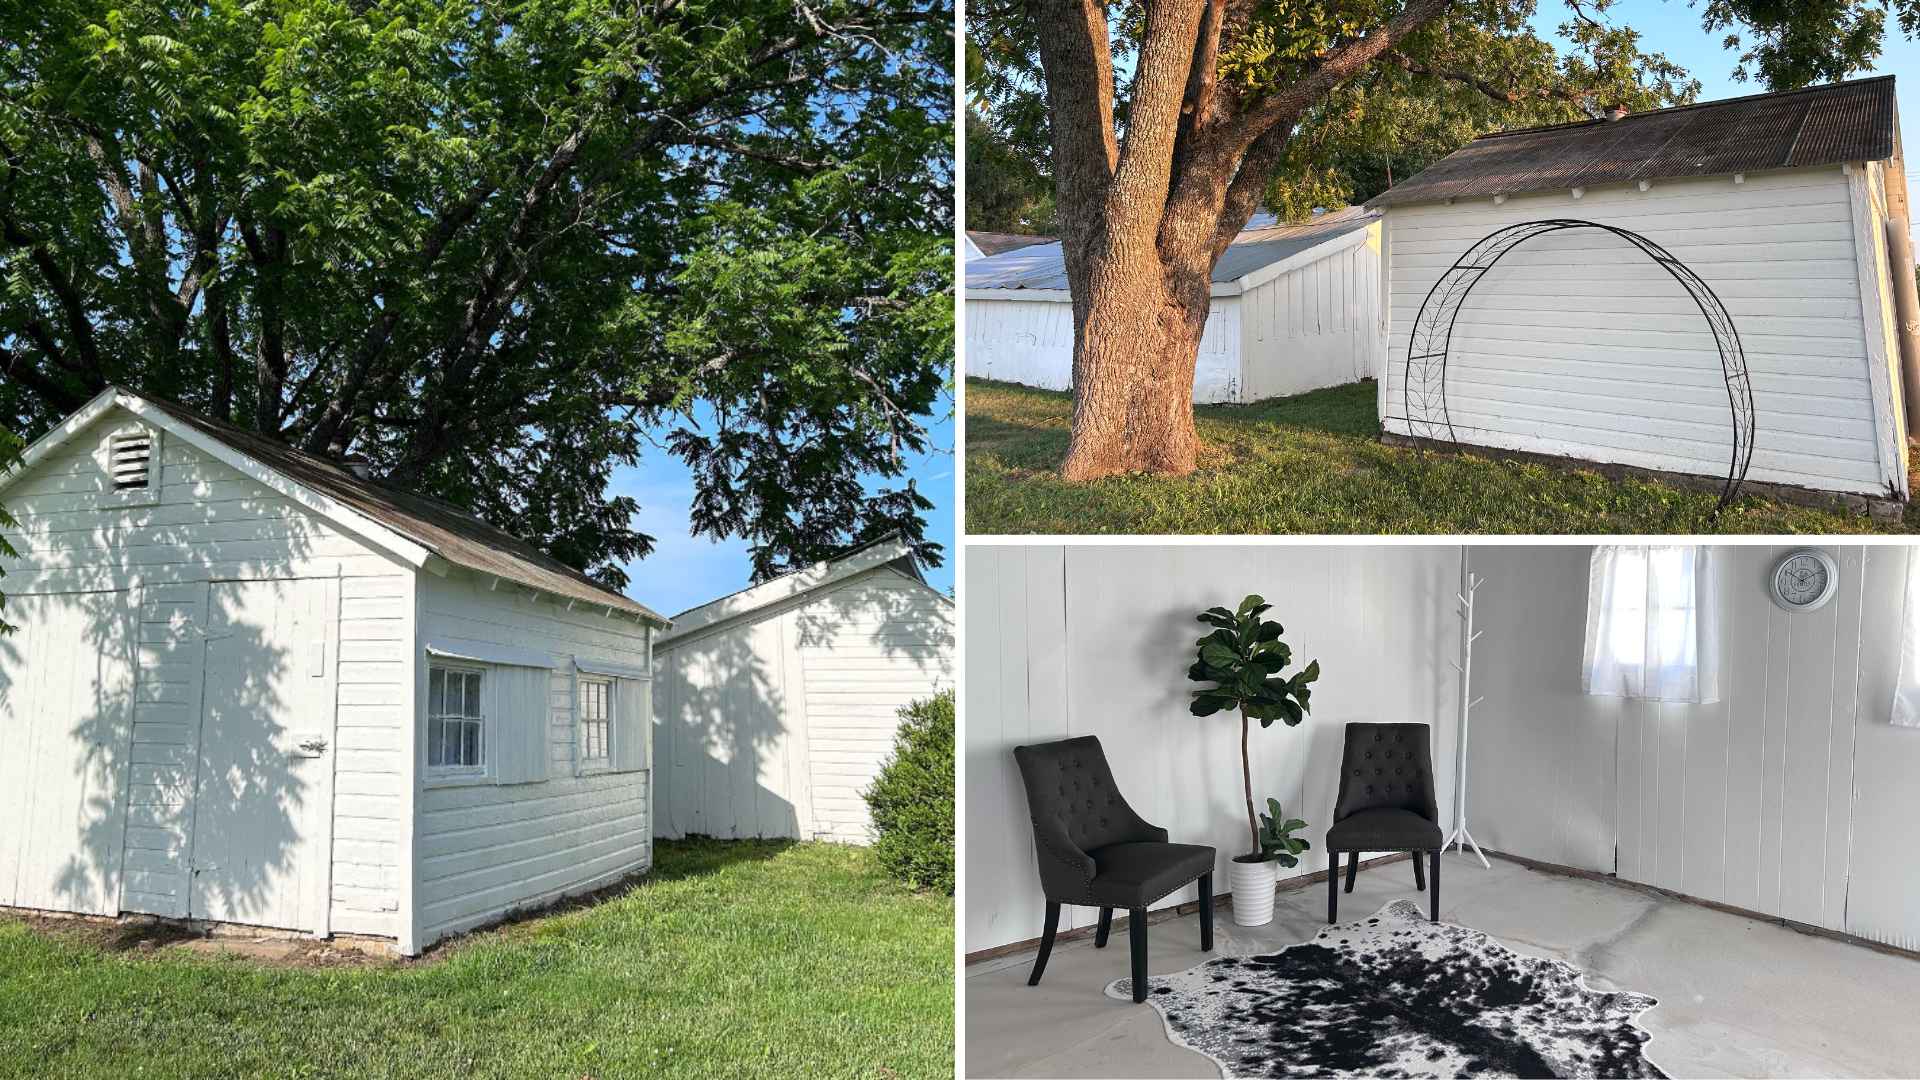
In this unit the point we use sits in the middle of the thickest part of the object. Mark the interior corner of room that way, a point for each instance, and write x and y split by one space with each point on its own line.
1741 853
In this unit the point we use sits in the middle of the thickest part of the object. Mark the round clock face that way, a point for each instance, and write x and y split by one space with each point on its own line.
1804 580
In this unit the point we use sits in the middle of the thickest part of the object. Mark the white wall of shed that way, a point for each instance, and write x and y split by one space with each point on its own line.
483 849
772 724
1791 796
1030 342
1313 327
1096 640
1576 344
212 522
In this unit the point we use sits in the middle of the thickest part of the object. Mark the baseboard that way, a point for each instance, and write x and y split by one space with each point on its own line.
1655 890
1221 899
1880 507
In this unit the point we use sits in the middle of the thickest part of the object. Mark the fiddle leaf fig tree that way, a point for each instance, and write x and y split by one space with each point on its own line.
1244 657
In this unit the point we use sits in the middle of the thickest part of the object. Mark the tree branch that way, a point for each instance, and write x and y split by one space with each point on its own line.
1486 86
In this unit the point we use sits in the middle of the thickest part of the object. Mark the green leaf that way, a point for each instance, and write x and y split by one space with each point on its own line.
1204 706
1252 601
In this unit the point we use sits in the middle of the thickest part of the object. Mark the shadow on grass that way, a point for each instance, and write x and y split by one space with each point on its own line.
1351 410
700 856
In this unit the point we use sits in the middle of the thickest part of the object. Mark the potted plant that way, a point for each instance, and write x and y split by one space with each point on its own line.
1243 657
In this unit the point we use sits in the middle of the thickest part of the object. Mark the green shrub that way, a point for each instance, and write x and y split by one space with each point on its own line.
912 798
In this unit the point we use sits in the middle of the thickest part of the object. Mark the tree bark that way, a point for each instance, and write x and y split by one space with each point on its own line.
1246 776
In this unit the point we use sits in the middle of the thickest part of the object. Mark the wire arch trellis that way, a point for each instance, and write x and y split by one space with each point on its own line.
1423 386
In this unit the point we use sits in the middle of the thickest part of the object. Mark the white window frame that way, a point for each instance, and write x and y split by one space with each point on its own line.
458 772
604 761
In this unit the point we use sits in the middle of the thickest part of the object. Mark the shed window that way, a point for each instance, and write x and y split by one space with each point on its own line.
596 721
456 722
129 461
1650 624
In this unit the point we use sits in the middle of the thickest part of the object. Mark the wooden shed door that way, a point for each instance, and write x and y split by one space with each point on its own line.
263 803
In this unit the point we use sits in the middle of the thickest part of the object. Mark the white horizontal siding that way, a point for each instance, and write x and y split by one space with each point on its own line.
210 520
1030 342
484 850
1577 344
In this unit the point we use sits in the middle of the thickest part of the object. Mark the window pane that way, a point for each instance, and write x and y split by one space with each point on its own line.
436 740
473 694
436 691
478 757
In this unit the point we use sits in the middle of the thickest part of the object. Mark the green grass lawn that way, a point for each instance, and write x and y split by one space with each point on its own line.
740 959
1314 464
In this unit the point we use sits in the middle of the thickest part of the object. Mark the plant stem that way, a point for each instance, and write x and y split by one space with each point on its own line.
1246 775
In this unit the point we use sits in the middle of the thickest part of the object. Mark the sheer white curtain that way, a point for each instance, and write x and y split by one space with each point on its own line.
1650 625
1906 691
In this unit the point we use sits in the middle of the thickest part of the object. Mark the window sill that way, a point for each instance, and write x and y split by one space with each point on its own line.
457 780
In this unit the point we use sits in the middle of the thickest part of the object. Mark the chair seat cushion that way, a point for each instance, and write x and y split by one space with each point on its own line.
1135 875
1383 829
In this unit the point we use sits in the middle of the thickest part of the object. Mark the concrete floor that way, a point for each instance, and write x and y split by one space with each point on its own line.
1737 997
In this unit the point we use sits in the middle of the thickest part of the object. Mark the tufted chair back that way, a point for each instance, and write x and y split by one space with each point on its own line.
1387 765
1076 809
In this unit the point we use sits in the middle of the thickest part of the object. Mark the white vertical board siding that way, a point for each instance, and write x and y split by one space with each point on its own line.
1540 752
1883 895
66 703
486 849
1744 801
773 725
1577 344
1030 342
209 521
869 645
1096 640
1313 327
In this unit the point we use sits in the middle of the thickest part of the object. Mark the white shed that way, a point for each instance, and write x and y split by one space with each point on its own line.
1789 210
1295 308
778 704
249 686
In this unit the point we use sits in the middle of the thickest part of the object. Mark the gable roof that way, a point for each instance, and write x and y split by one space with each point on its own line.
887 551
1264 245
405 523
1819 125
999 243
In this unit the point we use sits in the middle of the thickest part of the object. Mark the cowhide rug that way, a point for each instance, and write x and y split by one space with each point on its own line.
1397 996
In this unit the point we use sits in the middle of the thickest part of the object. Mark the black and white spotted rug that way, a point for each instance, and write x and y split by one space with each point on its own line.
1397 996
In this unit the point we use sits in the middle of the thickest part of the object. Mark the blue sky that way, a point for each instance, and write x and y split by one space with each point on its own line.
685 570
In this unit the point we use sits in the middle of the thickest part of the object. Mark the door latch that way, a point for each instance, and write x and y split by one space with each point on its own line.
314 746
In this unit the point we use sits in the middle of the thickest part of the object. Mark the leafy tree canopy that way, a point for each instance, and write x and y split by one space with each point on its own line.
500 248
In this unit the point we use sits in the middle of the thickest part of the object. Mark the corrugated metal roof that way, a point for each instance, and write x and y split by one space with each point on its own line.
994 243
442 528
1263 242
1820 125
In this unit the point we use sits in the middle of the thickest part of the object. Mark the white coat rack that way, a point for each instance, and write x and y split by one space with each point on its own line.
1460 835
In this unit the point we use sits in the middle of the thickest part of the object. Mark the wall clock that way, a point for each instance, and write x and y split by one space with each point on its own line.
1805 579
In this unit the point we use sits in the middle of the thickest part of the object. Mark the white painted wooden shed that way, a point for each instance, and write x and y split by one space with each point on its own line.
251 686
1295 308
778 704
1791 207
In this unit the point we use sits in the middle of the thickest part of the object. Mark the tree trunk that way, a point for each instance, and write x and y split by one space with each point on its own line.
1246 776
1137 330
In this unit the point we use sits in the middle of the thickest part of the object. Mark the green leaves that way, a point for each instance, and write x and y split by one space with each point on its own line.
1244 657
1276 840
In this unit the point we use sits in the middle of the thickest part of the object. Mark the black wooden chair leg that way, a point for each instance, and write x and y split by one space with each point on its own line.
1106 926
1137 934
1333 887
1353 868
1433 897
1206 912
1419 874
1046 942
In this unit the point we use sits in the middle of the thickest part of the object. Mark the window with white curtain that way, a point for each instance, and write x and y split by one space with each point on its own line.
1906 691
1650 624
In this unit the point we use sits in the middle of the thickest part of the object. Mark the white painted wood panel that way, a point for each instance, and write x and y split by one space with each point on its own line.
66 714
1313 327
486 849
1883 896
1576 344
1096 639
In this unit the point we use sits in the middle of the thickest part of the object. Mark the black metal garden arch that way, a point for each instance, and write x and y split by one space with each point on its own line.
1423 385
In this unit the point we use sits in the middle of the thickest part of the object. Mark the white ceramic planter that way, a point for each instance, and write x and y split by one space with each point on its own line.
1252 884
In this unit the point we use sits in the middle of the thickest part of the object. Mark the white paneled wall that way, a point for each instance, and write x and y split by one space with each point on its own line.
1883 892
1096 640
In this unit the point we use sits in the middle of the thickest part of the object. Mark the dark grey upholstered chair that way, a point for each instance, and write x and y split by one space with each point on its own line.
1096 852
1386 803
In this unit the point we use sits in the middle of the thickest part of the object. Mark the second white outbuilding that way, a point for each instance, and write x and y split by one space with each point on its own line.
776 706
1294 308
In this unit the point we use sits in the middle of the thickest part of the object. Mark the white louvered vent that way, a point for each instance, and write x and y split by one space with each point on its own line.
130 461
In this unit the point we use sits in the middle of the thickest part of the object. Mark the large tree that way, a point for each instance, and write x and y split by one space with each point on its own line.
1169 121
500 247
